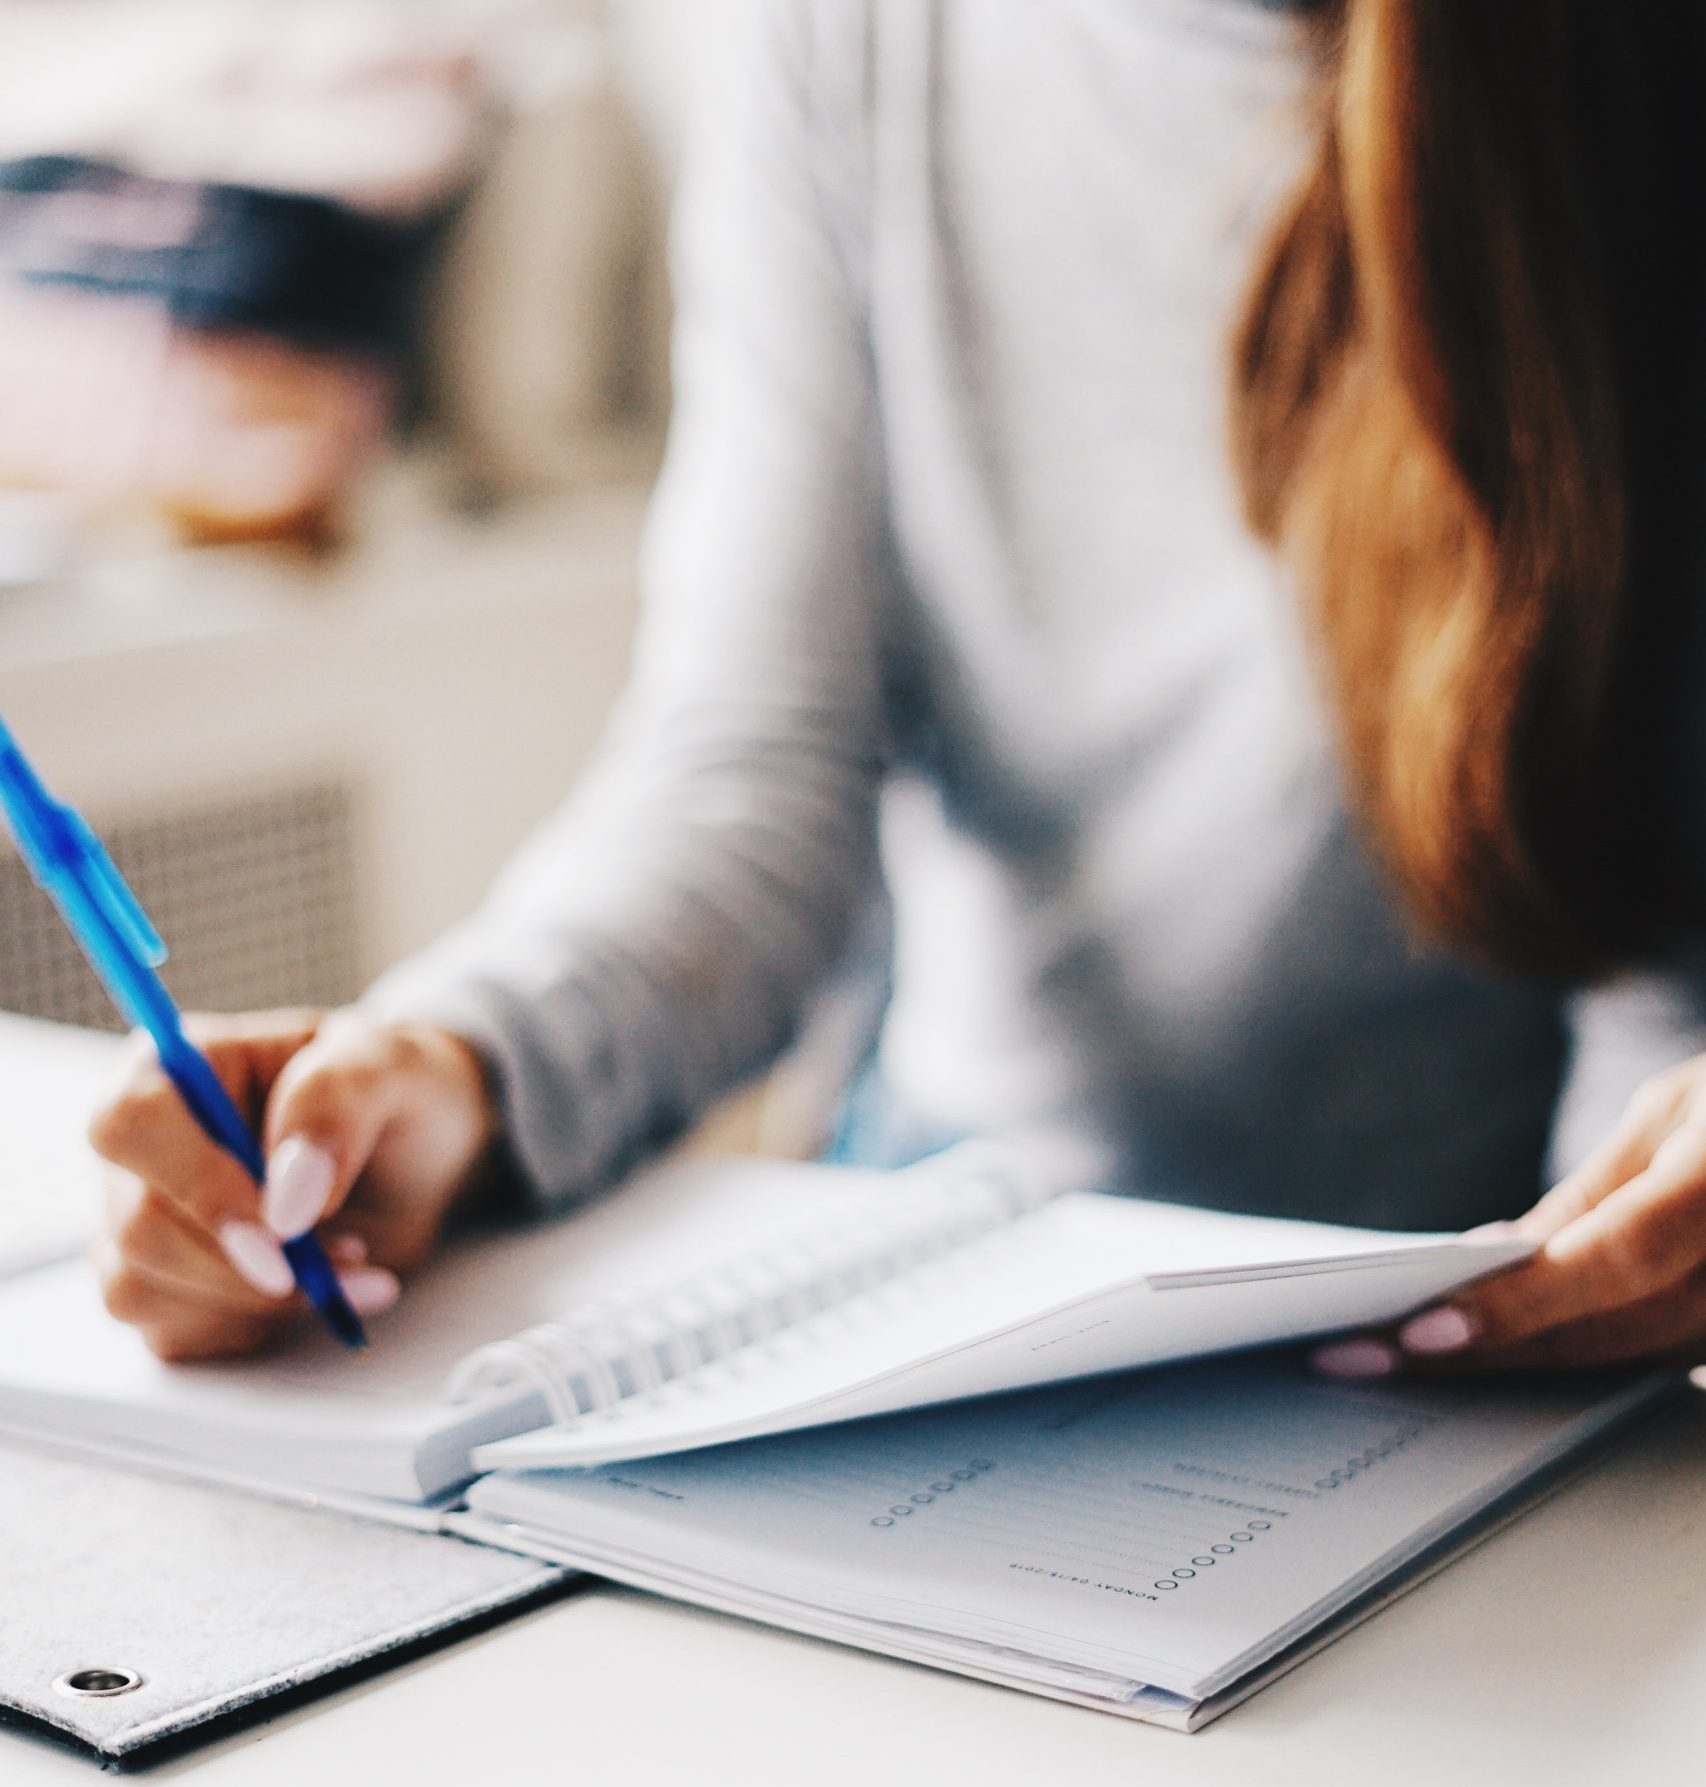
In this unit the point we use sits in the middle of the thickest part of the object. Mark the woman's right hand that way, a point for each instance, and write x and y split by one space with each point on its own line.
373 1133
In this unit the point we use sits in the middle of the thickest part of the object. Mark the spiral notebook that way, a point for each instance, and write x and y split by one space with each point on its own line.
712 1302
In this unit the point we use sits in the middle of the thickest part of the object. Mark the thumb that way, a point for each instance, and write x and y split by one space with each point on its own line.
325 1116
1652 1114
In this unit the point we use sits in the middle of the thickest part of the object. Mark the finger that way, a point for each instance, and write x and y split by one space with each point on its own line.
347 1250
1652 1116
192 1342
1670 1329
183 1333
1628 1150
1651 1333
246 1052
144 1297
147 1129
1639 1241
150 1135
148 1231
329 1108
1355 1357
185 1319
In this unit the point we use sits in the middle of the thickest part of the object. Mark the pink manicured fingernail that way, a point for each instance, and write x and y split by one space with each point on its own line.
1354 1359
258 1258
371 1289
1441 1330
299 1181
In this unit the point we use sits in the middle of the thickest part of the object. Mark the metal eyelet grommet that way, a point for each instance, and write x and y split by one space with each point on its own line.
97 1684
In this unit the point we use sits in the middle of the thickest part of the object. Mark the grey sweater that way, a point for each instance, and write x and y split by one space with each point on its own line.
950 619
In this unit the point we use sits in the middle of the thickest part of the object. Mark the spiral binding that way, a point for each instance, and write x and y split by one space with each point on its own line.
593 1362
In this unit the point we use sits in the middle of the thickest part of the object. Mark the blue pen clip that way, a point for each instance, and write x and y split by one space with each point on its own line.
112 891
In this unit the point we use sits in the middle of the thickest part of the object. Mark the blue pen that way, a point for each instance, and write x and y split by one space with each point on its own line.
70 865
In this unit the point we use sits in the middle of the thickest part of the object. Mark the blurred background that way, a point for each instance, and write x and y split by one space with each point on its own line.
332 380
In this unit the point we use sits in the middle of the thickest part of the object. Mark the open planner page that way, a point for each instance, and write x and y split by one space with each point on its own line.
1085 1284
1170 1530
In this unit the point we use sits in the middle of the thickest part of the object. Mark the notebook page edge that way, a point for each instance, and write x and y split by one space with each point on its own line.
574 1445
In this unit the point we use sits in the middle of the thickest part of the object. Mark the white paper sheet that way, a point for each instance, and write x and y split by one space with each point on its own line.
311 1413
51 1078
1086 1284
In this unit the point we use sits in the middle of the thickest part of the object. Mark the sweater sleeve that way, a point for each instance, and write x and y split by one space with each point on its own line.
656 941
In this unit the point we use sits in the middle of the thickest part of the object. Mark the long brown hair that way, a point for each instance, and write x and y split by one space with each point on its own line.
1465 402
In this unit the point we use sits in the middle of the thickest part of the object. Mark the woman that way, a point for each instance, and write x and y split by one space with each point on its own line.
1295 816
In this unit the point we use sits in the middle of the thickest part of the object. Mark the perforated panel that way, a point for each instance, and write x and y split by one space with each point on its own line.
256 898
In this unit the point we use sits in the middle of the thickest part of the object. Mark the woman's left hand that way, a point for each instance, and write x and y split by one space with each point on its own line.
1620 1275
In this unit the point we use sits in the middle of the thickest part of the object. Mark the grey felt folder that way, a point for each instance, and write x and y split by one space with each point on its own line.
135 1609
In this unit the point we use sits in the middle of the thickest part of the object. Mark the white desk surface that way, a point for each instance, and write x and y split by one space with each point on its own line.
1570 1648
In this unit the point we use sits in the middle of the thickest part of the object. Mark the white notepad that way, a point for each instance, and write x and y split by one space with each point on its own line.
716 1301
1155 1545
50 1180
